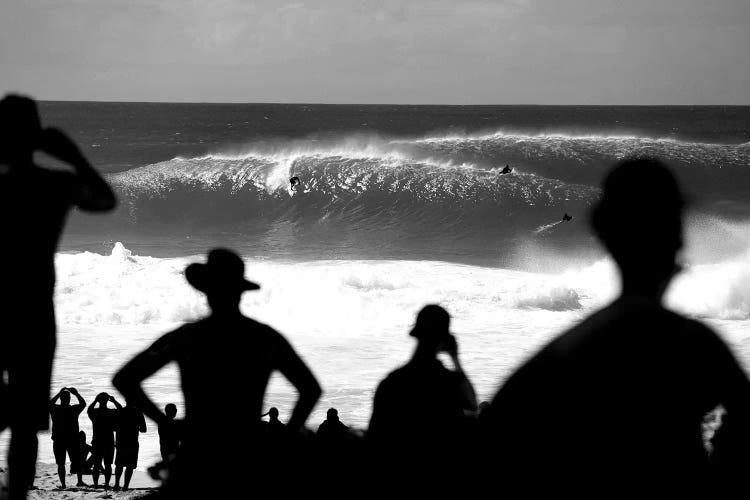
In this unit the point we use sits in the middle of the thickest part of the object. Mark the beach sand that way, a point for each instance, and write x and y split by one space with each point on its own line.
47 486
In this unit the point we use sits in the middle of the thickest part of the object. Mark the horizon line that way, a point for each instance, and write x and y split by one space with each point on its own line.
375 104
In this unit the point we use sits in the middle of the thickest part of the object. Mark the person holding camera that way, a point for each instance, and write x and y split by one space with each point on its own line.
65 431
104 422
34 203
423 403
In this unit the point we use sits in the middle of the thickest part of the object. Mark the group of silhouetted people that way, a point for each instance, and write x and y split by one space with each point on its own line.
614 405
114 428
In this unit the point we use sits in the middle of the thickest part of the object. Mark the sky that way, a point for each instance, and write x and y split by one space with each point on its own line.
687 52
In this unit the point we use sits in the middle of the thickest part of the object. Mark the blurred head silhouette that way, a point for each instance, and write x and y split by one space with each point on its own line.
273 414
65 398
332 414
20 129
432 328
102 398
170 410
639 221
221 278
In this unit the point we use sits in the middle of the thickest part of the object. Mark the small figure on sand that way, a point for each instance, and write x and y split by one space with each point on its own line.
65 432
507 170
103 423
567 217
169 435
130 423
332 429
84 455
34 203
274 427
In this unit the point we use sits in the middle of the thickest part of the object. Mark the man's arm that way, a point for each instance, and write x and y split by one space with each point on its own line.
81 402
93 193
116 403
55 398
142 424
130 377
468 395
299 375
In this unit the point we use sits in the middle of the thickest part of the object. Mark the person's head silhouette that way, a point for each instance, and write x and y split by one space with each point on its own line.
332 414
273 414
65 398
20 130
222 279
170 410
102 398
432 328
638 219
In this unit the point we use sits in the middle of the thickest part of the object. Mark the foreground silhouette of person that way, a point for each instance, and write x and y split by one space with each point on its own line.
65 432
34 203
221 358
332 429
419 409
169 433
129 424
104 422
619 399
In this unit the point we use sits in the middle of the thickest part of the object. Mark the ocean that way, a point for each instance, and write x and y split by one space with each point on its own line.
402 206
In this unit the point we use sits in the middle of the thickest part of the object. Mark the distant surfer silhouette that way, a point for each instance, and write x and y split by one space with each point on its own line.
507 169
567 217
295 186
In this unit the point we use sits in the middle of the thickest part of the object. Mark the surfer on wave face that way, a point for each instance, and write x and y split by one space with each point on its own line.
295 184
507 169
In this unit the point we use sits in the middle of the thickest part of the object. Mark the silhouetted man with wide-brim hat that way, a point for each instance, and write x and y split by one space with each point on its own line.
225 361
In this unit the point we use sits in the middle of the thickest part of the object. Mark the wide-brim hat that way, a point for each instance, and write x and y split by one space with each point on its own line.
432 322
223 270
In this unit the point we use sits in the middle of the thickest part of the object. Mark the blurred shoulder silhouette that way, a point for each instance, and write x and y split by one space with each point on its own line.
423 403
223 358
620 398
34 203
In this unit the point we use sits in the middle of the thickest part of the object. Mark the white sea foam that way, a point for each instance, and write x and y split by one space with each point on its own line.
123 289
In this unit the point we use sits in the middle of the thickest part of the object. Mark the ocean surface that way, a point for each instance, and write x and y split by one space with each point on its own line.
402 206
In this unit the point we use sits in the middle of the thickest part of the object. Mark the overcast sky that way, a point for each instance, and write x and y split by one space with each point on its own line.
359 51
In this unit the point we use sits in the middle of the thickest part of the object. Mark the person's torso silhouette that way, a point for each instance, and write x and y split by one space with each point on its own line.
34 204
423 403
225 363
130 423
621 397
